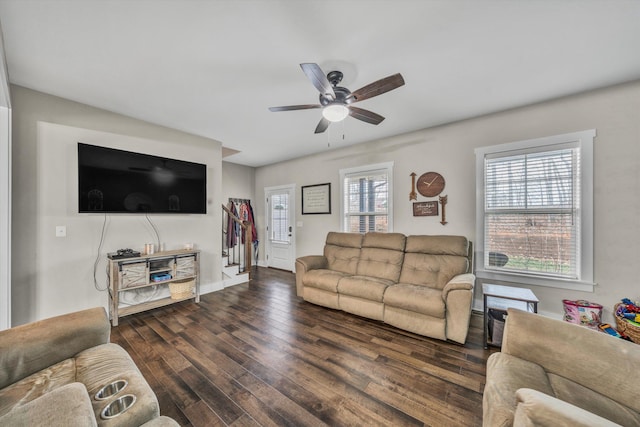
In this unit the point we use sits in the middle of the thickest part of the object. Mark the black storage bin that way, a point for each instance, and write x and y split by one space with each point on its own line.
496 325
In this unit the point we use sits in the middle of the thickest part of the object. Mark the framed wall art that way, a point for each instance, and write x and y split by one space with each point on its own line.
316 199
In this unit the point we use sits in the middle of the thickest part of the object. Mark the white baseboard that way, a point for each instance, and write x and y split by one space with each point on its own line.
206 288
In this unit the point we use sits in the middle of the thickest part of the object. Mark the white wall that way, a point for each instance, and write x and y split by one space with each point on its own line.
5 192
5 216
53 275
614 113
238 181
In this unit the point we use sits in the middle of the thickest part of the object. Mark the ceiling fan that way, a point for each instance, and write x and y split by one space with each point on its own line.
336 101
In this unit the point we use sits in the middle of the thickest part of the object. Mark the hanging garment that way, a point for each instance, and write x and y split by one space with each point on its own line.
232 231
244 216
254 232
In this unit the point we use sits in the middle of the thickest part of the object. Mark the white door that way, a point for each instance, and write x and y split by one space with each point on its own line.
280 245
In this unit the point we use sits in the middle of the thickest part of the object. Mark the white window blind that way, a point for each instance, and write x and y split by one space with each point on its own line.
532 213
366 200
280 217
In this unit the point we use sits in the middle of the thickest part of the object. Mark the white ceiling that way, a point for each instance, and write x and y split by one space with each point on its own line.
213 68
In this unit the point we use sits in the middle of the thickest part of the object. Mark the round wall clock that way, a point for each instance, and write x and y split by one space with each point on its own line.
430 184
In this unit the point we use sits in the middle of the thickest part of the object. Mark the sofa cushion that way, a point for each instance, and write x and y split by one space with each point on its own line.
382 263
438 245
587 399
431 270
391 241
539 409
416 298
161 421
347 240
342 251
66 406
323 279
434 260
381 255
28 348
37 385
322 297
505 375
608 365
370 288
421 324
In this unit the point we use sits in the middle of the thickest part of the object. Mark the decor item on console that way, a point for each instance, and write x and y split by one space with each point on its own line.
422 284
555 373
63 371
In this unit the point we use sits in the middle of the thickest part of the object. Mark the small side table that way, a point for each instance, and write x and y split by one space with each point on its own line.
502 297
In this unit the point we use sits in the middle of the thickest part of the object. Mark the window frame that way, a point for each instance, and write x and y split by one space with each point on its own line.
386 167
584 141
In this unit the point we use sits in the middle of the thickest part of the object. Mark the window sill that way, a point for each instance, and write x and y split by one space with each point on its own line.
574 285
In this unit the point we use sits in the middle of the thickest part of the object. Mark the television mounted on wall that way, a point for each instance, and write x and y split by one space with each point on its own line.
118 181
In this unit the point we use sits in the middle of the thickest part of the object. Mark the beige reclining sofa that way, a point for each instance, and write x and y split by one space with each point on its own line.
554 373
53 373
422 284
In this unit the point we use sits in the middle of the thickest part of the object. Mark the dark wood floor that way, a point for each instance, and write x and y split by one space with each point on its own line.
255 354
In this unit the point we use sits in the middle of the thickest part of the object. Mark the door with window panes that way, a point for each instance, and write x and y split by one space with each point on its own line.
280 245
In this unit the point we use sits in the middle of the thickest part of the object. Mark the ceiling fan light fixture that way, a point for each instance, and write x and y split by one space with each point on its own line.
335 112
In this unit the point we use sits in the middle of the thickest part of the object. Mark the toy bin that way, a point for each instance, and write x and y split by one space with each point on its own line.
582 312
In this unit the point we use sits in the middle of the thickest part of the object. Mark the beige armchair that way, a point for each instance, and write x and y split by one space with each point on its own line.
51 371
553 373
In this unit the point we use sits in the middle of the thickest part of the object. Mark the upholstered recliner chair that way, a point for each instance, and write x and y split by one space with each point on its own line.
51 371
554 373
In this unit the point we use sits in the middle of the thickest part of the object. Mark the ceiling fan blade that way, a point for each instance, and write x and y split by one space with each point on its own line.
319 80
365 115
378 87
322 125
295 107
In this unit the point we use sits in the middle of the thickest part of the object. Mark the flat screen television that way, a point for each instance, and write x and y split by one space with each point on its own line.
117 181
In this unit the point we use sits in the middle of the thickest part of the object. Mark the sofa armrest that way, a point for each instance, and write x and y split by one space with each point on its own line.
61 407
458 298
535 408
460 282
308 263
29 348
312 262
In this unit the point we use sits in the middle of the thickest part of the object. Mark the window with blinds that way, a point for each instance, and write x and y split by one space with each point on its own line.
366 200
534 216
280 217
532 212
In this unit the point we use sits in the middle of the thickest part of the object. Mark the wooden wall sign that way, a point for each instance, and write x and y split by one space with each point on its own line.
413 195
425 208
443 202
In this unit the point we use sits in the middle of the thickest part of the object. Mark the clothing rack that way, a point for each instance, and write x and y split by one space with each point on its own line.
233 235
234 200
